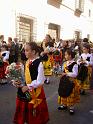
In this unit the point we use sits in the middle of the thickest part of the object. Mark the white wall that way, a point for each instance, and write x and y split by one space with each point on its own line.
44 15
33 8
70 23
7 24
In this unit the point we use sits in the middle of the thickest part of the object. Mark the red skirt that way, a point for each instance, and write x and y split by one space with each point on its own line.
58 59
3 69
24 112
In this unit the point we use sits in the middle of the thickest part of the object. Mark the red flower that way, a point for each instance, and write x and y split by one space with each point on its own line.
7 72
17 66
30 62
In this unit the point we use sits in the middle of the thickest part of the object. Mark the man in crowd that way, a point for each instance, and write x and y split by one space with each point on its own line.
14 50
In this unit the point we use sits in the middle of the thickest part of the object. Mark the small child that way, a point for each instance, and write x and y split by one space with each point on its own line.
4 56
5 53
70 68
86 59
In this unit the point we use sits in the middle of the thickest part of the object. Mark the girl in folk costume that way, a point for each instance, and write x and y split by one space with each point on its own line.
35 111
5 53
70 71
85 63
4 56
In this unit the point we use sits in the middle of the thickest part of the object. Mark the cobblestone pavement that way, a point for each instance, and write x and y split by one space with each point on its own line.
84 110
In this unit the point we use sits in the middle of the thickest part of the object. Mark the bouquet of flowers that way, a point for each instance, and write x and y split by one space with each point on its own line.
57 56
56 52
57 69
15 73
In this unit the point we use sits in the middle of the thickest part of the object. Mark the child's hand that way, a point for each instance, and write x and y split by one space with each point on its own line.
83 61
24 88
16 83
63 74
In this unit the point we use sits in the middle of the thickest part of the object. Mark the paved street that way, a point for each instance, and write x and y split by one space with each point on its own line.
83 115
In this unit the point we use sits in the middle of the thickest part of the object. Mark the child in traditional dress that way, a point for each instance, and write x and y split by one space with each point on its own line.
35 111
86 62
4 56
5 53
70 71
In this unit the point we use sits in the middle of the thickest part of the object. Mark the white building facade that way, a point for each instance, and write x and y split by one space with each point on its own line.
33 19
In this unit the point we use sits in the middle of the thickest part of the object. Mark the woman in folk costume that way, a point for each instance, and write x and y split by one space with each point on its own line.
70 72
48 45
85 63
35 111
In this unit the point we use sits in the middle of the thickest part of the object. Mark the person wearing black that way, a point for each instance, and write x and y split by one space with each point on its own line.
16 49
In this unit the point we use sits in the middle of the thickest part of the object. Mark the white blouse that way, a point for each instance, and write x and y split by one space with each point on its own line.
74 72
40 78
6 57
84 56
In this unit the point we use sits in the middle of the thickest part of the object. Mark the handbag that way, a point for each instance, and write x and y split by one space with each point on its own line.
65 87
26 96
82 73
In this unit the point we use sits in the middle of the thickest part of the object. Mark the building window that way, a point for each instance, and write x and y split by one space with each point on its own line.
55 3
25 28
77 35
54 30
88 36
79 7
89 13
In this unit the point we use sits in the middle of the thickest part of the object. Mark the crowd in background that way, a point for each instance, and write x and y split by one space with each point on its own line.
73 61
12 50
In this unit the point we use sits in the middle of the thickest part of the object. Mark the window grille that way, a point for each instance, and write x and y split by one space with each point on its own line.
77 35
79 7
79 4
89 13
26 28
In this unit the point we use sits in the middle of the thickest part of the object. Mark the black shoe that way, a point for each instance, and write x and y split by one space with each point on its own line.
62 107
71 111
46 82
82 92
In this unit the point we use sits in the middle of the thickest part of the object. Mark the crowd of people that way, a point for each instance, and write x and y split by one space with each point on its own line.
71 60
9 53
